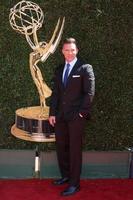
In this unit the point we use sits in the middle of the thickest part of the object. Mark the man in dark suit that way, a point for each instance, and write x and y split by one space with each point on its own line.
74 88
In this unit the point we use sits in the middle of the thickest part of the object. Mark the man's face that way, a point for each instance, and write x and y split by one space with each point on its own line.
69 51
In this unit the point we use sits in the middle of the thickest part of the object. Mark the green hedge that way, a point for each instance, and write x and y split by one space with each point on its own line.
103 30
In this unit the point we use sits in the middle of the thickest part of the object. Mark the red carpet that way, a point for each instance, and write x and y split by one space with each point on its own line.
35 189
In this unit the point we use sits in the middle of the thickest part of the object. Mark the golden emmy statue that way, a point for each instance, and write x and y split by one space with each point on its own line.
26 18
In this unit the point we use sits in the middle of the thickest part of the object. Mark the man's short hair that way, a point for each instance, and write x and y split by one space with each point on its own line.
70 41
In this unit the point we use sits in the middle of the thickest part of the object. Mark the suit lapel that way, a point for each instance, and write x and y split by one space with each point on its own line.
60 74
74 69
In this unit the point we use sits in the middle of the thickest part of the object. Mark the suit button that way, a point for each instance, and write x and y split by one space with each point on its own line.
64 103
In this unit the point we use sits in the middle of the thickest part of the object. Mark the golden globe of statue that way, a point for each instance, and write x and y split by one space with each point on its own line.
25 16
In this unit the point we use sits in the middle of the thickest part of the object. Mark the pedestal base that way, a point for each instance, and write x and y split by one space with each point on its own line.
34 121
29 137
31 124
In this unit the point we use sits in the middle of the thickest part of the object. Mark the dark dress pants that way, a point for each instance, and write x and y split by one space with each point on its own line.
69 136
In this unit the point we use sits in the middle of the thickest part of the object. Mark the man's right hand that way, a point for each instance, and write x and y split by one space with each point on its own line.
52 120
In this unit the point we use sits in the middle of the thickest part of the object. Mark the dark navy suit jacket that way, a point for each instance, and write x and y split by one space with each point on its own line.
67 102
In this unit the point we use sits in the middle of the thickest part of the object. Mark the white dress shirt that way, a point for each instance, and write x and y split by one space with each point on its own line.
72 63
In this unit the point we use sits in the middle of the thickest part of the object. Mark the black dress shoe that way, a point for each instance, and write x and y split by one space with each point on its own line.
70 190
61 181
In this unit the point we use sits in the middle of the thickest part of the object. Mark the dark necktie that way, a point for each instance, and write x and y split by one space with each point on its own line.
66 74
